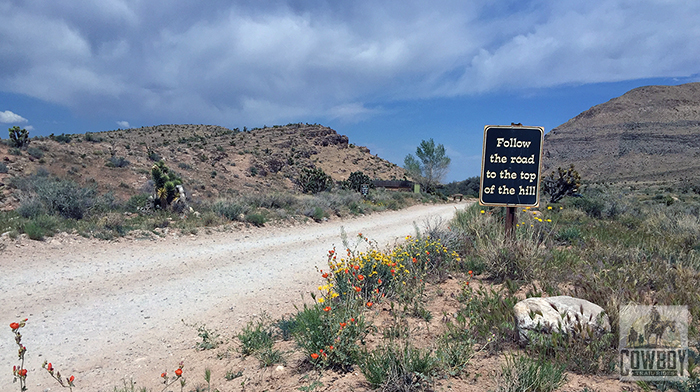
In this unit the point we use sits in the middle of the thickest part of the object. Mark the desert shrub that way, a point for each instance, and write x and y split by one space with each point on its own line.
523 374
256 219
592 206
15 151
317 214
40 226
184 166
117 162
114 222
3 168
65 198
356 180
229 209
401 367
59 197
35 152
314 180
329 333
273 200
563 182
62 138
90 137
256 336
579 354
454 354
490 314
31 207
138 202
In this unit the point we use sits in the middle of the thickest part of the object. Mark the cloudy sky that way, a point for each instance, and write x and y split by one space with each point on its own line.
386 73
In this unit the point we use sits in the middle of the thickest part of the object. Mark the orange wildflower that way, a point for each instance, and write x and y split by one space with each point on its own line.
327 309
314 356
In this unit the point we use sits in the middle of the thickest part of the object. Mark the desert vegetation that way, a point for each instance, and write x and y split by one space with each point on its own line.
423 315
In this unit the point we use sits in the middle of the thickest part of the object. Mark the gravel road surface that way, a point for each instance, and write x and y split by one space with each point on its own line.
113 311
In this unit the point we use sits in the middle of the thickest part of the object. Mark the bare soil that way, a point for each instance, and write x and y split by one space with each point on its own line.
113 312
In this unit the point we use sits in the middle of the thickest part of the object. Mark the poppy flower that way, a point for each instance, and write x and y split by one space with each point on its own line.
379 281
14 326
356 267
358 289
360 277
49 367
352 320
369 304
414 260
72 378
22 372
164 374
470 272
327 309
314 356
342 325
178 372
325 275
330 347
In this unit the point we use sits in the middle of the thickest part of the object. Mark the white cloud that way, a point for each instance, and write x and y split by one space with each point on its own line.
11 118
123 124
259 63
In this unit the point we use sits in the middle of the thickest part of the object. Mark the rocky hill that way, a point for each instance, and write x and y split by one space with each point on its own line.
213 161
649 134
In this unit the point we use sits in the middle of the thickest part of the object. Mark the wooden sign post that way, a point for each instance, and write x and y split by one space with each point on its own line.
510 169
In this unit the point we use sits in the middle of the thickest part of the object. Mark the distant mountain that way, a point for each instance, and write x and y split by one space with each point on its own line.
213 161
649 134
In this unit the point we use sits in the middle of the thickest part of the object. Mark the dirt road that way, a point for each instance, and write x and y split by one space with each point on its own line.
108 311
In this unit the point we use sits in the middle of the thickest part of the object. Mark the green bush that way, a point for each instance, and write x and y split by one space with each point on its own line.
35 153
356 180
137 202
329 334
399 368
117 162
256 219
523 374
58 197
229 209
314 180
40 226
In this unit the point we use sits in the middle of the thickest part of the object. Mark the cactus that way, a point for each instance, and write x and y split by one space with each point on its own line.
314 180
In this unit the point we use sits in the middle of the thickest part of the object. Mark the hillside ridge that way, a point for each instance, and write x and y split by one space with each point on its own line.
649 134
213 161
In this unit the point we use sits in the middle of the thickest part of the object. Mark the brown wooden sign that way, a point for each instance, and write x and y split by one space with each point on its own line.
510 166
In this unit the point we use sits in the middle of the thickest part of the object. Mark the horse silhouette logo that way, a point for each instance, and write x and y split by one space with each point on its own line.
653 343
657 327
